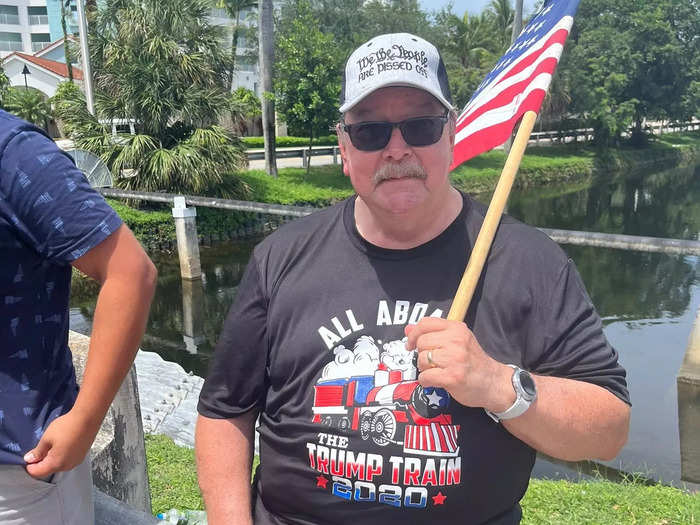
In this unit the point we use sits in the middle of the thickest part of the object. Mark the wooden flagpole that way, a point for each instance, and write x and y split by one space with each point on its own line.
482 246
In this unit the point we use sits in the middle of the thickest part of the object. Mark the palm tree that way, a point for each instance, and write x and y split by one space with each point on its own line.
4 86
266 50
65 7
28 104
471 38
234 8
160 64
502 15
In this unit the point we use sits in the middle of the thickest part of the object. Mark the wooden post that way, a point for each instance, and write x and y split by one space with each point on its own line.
192 314
688 384
482 246
187 241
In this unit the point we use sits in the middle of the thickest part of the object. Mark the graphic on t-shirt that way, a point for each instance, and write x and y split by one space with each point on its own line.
375 392
369 393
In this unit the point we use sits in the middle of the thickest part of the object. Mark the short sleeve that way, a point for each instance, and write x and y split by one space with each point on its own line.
237 380
574 345
49 201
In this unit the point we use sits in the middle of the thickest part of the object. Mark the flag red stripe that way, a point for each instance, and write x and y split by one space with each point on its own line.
505 97
558 37
488 138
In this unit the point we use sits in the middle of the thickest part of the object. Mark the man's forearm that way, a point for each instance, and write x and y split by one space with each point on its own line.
224 451
119 322
573 420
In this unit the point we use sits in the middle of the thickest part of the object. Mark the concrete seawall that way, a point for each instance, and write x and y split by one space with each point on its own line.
118 453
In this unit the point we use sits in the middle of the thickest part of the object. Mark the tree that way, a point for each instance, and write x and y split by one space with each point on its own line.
234 9
393 16
28 104
267 49
160 64
631 61
4 86
469 50
65 8
502 15
343 19
308 76
245 105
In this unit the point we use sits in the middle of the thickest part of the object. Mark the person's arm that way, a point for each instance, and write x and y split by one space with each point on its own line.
570 420
128 280
224 451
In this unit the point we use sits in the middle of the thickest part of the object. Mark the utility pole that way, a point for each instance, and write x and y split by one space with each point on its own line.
87 72
517 20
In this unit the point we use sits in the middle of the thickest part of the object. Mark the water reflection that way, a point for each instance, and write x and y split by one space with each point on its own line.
662 204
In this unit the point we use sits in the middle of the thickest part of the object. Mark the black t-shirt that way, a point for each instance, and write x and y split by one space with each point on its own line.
314 341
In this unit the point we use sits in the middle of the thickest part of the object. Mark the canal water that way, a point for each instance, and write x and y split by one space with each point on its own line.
647 301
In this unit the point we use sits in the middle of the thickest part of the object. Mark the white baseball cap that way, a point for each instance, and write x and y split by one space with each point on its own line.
397 59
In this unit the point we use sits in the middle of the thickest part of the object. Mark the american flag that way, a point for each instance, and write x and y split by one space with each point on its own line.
432 440
518 82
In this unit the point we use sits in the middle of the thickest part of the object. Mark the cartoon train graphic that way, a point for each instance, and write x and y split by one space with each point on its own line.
386 407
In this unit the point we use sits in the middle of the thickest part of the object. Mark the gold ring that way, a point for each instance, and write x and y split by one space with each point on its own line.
429 355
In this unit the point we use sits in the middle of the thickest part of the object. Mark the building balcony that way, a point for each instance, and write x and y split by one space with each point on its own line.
12 20
38 20
10 46
38 46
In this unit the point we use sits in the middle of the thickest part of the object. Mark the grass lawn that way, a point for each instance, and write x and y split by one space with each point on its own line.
173 480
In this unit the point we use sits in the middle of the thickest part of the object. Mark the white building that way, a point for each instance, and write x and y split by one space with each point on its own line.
24 26
247 71
46 69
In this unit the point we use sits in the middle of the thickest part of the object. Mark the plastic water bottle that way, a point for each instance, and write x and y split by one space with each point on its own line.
195 517
185 517
172 516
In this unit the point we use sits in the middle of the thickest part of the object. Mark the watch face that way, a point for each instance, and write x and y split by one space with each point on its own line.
527 383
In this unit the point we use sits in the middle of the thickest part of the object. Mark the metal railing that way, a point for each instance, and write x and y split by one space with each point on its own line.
38 46
12 20
568 136
10 46
602 240
38 20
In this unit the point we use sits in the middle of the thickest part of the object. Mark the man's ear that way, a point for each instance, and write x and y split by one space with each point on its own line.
343 149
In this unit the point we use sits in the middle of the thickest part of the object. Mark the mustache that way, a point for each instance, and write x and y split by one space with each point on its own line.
400 171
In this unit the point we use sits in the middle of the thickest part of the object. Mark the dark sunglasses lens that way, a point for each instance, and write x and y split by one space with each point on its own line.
422 131
371 136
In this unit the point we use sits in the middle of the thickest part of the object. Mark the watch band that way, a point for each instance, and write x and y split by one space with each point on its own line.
522 399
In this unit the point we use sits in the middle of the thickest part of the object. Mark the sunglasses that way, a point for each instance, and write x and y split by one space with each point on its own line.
373 136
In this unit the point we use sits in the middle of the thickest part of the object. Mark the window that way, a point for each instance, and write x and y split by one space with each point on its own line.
37 16
9 15
40 41
10 41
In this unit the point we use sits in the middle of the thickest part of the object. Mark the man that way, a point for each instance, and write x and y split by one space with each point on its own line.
351 430
50 221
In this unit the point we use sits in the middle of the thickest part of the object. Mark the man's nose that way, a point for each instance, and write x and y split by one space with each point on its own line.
397 148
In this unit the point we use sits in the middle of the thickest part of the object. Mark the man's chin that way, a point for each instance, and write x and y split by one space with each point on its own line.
401 199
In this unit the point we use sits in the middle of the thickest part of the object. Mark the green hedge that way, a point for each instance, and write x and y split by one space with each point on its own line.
322 186
288 142
154 225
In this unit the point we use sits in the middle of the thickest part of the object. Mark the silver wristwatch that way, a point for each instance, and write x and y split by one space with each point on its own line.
525 395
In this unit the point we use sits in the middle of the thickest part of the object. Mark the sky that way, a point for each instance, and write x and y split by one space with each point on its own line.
473 6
